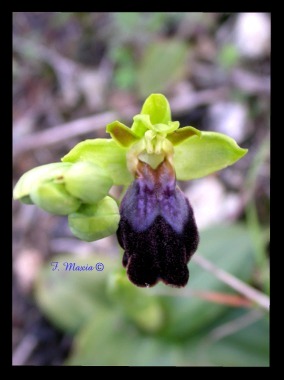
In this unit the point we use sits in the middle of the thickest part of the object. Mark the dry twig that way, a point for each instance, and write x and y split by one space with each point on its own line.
180 104
246 290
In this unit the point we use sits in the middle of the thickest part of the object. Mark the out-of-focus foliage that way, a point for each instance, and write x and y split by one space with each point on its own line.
111 317
163 63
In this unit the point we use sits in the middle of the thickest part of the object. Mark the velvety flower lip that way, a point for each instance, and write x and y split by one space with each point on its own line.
157 228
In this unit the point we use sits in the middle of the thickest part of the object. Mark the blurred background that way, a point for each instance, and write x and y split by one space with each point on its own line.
94 68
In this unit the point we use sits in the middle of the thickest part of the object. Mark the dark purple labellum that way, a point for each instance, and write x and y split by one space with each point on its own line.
157 228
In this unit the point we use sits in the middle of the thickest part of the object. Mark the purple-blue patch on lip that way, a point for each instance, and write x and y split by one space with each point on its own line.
157 228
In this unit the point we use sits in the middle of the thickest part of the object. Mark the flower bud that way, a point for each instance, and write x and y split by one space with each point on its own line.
52 197
34 176
87 181
96 221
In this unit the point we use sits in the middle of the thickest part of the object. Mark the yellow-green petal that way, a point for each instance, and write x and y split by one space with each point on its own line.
141 124
166 128
123 135
182 134
199 156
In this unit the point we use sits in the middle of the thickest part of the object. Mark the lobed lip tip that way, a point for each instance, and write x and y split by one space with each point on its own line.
158 253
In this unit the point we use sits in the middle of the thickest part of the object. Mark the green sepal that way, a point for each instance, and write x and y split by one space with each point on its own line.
105 153
157 106
199 156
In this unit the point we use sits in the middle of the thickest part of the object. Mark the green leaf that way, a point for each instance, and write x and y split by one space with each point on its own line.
87 182
94 222
109 340
125 75
124 345
105 153
29 179
162 65
248 347
229 248
71 298
110 316
158 108
53 198
123 135
197 156
145 311
228 56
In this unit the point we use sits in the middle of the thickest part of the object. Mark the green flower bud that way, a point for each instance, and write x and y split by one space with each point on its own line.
87 181
35 176
94 222
52 197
